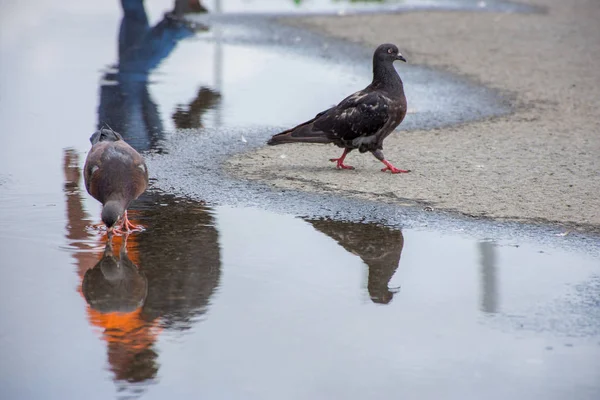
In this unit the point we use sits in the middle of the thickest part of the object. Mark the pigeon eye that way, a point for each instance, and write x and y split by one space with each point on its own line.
390 51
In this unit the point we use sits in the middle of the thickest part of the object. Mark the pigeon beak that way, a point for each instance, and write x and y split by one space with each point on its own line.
400 57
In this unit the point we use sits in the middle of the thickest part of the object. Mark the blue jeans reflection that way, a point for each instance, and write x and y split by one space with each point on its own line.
125 102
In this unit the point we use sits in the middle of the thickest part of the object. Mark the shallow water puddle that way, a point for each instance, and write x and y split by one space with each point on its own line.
241 302
243 86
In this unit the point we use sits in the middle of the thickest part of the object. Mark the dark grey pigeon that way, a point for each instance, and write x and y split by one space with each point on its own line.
362 120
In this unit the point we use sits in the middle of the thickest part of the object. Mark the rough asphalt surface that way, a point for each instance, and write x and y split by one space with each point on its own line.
539 163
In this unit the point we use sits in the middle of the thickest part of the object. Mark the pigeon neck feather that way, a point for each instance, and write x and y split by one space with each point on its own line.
385 76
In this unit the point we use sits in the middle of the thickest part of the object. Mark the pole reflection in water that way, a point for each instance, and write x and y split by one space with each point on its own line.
489 279
125 101
378 246
190 116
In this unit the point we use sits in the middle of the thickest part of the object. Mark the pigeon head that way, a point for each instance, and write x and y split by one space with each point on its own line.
388 53
112 211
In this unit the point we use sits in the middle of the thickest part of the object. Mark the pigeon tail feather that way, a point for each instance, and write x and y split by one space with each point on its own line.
299 134
105 135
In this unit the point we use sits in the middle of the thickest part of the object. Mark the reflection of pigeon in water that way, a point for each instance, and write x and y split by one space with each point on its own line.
116 291
114 285
378 246
362 120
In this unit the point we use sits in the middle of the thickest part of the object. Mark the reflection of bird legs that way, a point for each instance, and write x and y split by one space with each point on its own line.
123 249
340 161
129 227
108 250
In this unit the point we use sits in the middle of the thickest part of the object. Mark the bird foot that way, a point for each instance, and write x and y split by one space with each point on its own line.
118 230
392 169
395 170
340 163
126 227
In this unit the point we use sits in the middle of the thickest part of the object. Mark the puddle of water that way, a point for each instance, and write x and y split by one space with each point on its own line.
237 93
241 302
238 302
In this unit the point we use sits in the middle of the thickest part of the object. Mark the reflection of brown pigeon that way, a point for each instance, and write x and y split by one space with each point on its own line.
362 120
114 285
378 246
115 174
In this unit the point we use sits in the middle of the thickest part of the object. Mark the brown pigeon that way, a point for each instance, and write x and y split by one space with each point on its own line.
115 174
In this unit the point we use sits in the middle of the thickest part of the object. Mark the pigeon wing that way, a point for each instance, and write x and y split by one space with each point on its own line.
360 114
